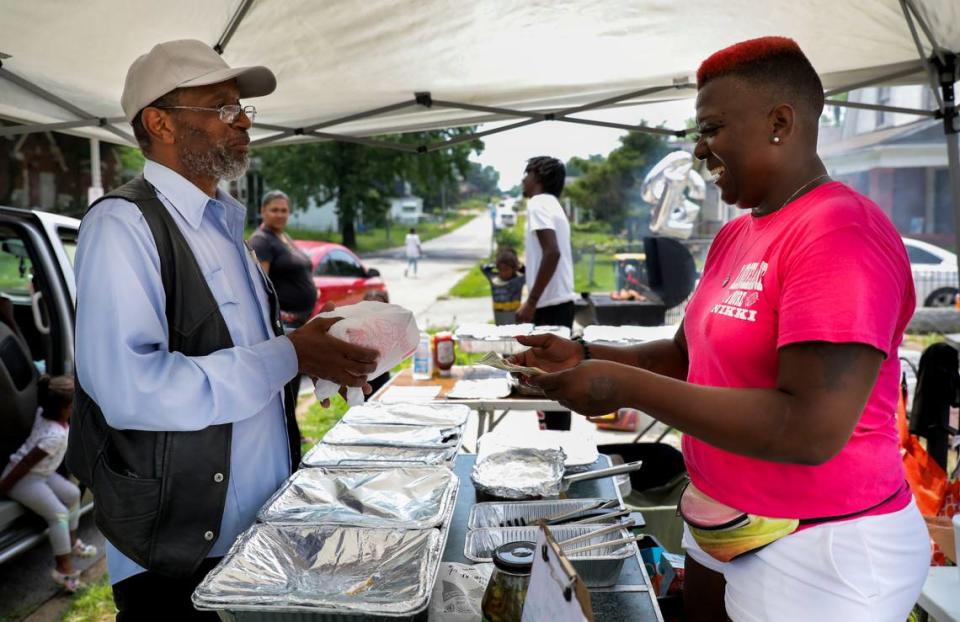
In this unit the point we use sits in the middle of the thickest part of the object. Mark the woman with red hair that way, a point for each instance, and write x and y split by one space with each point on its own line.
784 372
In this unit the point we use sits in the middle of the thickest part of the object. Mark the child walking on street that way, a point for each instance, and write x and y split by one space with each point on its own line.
31 478
506 278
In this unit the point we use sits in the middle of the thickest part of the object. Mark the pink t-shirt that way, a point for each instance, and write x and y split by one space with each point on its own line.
828 266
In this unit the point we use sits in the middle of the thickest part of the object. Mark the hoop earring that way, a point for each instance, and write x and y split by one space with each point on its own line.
775 140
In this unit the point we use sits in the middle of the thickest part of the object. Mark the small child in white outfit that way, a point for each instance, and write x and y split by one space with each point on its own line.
31 478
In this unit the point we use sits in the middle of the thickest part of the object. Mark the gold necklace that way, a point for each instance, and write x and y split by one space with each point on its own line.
740 257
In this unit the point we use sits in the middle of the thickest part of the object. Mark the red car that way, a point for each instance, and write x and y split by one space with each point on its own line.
338 274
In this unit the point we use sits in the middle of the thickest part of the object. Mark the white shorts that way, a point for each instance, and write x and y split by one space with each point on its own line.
867 569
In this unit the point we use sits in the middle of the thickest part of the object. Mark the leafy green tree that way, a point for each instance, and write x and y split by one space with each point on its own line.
482 179
360 178
608 187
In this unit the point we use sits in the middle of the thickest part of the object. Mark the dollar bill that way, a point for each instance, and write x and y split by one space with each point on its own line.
495 360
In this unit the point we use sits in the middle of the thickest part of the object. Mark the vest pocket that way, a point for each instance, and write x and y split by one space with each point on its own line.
126 508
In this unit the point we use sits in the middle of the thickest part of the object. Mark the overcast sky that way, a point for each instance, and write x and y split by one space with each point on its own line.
508 152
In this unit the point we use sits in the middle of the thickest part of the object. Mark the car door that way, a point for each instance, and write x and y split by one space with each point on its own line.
351 274
36 276
330 285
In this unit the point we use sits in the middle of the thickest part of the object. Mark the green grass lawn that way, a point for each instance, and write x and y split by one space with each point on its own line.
604 274
92 604
376 239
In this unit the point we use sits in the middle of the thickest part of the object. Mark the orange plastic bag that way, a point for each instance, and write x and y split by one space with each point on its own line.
927 479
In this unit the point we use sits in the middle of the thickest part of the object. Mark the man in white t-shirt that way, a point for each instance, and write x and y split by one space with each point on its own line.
549 257
412 242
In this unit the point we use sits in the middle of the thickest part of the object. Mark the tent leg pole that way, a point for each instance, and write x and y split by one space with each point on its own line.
947 72
95 191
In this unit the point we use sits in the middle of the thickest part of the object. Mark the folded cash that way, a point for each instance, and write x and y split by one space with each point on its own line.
495 360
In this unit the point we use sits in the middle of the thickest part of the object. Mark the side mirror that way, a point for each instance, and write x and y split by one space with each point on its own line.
372 272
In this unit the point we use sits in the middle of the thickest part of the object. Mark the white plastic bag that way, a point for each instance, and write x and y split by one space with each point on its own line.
458 592
389 329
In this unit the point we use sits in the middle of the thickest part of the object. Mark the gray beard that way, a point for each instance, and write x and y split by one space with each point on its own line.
214 161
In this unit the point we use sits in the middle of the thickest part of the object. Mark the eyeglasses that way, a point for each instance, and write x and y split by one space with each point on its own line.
228 113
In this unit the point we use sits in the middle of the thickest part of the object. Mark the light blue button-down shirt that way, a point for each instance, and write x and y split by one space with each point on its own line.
122 356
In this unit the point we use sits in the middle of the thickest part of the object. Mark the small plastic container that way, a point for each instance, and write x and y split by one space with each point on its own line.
423 359
507 589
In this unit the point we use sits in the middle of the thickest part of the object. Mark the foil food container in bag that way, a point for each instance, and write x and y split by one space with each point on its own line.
324 454
442 415
519 473
495 514
597 568
394 435
326 569
409 497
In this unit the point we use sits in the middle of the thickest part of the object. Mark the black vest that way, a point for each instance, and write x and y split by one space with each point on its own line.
159 496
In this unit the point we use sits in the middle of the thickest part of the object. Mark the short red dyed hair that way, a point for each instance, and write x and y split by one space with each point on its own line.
774 63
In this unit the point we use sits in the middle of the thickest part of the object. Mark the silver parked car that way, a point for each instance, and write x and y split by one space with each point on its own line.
934 273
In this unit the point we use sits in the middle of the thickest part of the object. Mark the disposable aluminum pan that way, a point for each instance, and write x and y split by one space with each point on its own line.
329 569
410 497
597 568
324 454
393 435
519 473
495 514
443 415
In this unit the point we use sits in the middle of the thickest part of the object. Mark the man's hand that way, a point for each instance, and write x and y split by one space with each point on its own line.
548 352
526 311
591 388
321 356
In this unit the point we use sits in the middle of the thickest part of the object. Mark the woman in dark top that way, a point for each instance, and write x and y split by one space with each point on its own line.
287 266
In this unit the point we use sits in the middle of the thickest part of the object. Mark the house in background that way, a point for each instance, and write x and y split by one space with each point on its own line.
898 160
50 171
405 209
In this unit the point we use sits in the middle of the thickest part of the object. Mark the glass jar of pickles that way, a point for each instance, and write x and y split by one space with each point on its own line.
507 589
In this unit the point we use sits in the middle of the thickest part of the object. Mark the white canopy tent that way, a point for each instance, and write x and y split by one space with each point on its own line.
349 70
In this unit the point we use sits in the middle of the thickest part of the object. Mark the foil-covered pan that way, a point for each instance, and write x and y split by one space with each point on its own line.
519 473
442 415
324 454
326 569
393 435
408 497
597 568
495 514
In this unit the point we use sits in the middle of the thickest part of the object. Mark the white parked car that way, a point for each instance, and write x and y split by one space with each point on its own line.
506 217
934 273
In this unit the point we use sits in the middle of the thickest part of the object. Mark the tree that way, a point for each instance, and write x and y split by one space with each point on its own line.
361 178
482 179
607 187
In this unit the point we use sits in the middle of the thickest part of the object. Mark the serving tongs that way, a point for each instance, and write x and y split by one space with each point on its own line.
590 535
522 521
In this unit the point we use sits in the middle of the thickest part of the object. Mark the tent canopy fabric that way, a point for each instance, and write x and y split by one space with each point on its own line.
334 59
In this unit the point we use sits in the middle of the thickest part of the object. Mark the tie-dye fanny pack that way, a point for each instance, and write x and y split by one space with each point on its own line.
726 533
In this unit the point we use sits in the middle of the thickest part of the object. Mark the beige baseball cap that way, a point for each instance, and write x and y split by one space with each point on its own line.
183 63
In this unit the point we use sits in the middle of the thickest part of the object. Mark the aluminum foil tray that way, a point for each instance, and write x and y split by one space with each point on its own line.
409 497
327 569
493 514
393 435
500 339
518 473
443 415
324 454
597 568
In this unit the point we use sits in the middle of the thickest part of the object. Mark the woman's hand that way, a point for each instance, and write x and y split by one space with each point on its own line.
548 352
591 388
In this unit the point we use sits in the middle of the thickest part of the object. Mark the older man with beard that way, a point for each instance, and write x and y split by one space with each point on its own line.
183 424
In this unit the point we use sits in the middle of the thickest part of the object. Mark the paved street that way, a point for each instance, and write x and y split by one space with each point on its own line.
447 259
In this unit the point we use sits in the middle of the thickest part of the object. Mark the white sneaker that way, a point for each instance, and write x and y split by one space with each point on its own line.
82 549
69 582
